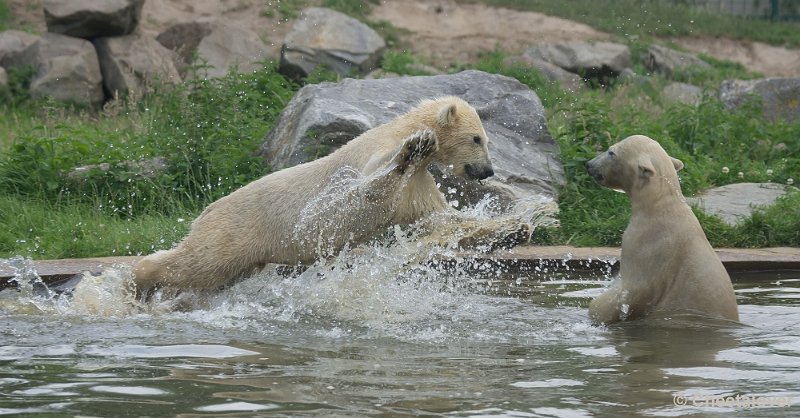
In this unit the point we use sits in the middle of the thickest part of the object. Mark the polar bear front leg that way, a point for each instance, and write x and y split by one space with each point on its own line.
612 305
416 149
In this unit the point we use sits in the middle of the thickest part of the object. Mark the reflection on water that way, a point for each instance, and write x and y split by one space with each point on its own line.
375 333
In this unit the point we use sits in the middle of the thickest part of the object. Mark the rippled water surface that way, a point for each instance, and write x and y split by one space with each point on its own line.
379 335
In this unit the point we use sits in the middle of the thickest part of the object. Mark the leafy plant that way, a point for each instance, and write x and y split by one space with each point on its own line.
17 91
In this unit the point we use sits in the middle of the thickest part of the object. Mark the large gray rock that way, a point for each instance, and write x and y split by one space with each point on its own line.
92 18
683 93
628 76
12 44
135 63
183 38
220 45
322 117
662 60
326 37
565 79
67 69
735 202
600 60
779 96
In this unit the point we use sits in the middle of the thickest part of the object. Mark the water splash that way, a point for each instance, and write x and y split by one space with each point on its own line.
331 216
410 274
112 293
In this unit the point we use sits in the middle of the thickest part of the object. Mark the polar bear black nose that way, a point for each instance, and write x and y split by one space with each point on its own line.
479 171
592 170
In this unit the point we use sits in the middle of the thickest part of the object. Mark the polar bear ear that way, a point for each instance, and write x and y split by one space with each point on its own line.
646 169
448 115
677 163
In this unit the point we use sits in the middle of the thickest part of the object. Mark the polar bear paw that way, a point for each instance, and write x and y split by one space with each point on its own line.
416 148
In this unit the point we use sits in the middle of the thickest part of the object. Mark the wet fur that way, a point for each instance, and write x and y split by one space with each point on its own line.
263 221
667 265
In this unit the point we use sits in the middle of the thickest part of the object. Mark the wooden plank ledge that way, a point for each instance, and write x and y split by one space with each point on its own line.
53 271
582 258
555 258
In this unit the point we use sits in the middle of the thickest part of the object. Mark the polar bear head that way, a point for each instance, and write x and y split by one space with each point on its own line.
463 143
631 165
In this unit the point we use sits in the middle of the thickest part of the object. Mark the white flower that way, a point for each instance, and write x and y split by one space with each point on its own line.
725 170
769 172
741 175
790 181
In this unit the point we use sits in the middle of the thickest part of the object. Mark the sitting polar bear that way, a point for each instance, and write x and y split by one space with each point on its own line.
311 211
667 265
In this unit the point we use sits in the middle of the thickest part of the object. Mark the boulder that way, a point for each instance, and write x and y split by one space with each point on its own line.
683 93
565 79
322 117
134 62
628 76
220 45
662 60
325 37
90 18
183 38
12 44
138 170
780 97
67 69
591 60
735 202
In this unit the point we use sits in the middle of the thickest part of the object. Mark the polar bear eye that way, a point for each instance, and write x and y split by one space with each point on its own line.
477 139
611 153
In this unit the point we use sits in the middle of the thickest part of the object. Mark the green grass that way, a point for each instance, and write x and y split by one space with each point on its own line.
5 16
287 9
290 9
359 9
402 63
207 131
50 230
641 19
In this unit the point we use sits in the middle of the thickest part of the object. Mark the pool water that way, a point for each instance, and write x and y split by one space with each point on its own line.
379 335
